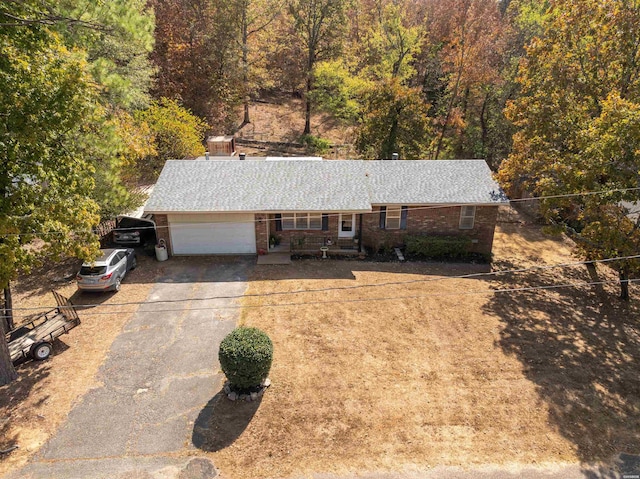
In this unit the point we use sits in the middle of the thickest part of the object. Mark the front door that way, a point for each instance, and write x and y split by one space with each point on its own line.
347 226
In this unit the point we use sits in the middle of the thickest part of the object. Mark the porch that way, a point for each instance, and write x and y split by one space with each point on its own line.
306 233
335 246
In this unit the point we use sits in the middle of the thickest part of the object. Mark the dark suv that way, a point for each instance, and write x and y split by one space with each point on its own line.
132 231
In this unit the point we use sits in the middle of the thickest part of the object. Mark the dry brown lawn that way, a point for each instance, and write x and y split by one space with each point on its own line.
429 373
32 407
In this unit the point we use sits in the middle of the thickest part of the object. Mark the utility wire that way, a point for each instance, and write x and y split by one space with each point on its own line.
366 300
354 287
319 213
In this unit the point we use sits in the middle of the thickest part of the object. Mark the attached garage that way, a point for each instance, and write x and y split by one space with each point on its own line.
212 233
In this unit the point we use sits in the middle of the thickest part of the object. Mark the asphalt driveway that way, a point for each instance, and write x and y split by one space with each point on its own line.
159 373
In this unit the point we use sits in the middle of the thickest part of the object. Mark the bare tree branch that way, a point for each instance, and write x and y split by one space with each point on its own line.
49 19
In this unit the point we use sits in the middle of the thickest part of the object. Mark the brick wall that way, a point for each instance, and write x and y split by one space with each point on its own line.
162 229
262 235
423 221
432 221
286 235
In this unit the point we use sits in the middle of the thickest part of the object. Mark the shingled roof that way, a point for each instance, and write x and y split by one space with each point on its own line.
345 185
432 182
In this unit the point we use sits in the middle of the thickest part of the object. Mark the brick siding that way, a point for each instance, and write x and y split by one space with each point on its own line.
262 235
286 235
420 221
432 221
162 230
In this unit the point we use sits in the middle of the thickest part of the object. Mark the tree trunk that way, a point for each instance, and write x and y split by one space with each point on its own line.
390 145
8 308
307 115
7 371
483 125
593 274
245 65
246 119
624 283
454 94
461 151
447 117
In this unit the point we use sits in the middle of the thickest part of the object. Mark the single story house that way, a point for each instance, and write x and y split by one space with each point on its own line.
240 206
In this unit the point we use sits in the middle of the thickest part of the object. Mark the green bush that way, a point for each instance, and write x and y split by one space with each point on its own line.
438 247
274 240
245 357
316 145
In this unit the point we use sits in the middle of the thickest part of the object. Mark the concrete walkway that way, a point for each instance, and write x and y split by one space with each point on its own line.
275 258
159 374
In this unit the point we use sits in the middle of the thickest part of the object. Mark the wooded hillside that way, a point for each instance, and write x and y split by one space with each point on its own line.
428 79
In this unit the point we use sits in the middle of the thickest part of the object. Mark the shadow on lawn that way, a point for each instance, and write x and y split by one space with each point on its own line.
584 357
222 421
48 276
30 373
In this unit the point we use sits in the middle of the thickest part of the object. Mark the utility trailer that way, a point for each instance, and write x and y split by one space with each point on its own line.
35 338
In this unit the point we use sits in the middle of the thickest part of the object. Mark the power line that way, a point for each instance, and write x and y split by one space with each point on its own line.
365 300
343 288
571 195
413 208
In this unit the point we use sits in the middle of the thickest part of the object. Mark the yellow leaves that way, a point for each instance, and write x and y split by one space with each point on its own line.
390 46
136 136
172 132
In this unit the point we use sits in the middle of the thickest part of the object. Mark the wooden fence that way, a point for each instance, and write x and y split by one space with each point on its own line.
103 230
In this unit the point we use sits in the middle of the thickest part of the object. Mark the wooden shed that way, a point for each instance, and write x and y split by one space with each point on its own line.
221 145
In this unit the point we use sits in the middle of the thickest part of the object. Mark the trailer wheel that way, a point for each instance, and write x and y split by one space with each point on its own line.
41 351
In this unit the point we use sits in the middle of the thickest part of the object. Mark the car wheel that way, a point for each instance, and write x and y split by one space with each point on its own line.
134 263
116 287
41 351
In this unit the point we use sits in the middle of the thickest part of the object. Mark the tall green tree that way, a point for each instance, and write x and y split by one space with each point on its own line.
370 85
49 104
70 72
390 44
116 38
319 26
117 53
577 120
117 47
395 120
339 91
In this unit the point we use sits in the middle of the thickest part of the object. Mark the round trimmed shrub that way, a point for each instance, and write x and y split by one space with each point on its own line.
245 357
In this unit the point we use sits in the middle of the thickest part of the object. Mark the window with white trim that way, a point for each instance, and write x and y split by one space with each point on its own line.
394 215
467 217
301 221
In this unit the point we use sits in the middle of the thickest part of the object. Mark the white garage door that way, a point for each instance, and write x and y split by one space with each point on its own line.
223 233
